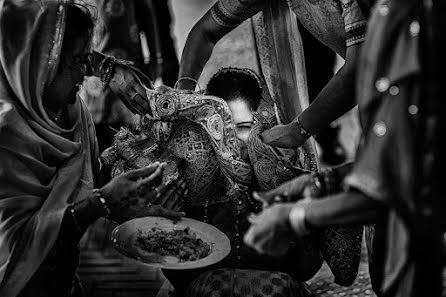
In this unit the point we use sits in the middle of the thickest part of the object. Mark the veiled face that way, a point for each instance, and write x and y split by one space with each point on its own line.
69 77
244 120
242 117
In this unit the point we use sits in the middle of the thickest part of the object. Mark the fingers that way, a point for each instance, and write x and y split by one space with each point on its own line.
261 197
268 137
252 238
175 197
170 195
159 211
142 172
130 90
138 100
267 198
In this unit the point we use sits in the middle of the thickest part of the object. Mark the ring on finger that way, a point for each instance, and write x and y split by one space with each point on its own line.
133 96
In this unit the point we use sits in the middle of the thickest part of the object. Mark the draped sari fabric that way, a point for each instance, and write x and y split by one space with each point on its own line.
282 64
281 59
43 167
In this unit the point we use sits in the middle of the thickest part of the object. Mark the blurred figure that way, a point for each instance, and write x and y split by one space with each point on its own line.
138 31
396 180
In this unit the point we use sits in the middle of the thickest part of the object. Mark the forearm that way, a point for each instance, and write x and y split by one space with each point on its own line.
342 170
198 49
337 97
77 218
333 101
345 208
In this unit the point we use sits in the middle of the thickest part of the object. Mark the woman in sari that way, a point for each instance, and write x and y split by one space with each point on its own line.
48 152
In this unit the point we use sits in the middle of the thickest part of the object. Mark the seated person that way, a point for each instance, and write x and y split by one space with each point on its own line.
195 134
241 90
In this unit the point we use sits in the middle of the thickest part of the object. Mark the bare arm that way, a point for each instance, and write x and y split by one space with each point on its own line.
337 98
332 102
345 208
207 32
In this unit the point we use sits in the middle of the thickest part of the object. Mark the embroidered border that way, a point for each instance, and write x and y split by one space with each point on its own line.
355 34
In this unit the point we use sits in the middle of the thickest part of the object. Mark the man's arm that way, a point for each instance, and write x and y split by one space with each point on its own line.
219 20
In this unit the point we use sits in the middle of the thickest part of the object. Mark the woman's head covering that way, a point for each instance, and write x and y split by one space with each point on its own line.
43 167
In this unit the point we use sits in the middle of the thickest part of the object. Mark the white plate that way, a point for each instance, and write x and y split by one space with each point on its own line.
124 240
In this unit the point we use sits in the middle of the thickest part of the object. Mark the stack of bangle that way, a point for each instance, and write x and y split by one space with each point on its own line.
298 221
106 69
98 195
302 131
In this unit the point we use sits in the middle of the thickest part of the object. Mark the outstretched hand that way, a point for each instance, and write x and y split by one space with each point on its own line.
140 192
284 136
291 190
270 232
131 89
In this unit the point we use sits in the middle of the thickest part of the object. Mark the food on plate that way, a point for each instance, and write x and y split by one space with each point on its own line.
182 244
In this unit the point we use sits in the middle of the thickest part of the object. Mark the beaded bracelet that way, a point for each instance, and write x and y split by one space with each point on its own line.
302 131
98 195
106 74
73 215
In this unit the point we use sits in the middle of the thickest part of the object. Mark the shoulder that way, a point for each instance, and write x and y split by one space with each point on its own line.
230 13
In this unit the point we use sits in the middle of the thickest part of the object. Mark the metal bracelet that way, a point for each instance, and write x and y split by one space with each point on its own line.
302 131
106 74
98 195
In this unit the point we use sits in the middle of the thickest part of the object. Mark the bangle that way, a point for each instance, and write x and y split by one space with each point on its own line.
98 195
106 72
297 221
73 215
302 131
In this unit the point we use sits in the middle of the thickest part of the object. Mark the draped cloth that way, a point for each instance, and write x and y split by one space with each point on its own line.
43 167
281 58
282 65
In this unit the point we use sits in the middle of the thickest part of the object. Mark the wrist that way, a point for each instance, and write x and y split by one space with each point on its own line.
100 203
297 220
85 212
302 129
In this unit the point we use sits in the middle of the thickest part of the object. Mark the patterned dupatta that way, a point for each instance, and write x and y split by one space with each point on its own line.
43 167
281 60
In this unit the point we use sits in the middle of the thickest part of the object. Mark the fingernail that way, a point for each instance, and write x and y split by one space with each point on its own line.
183 213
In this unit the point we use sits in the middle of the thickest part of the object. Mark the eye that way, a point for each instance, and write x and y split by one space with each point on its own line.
244 125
